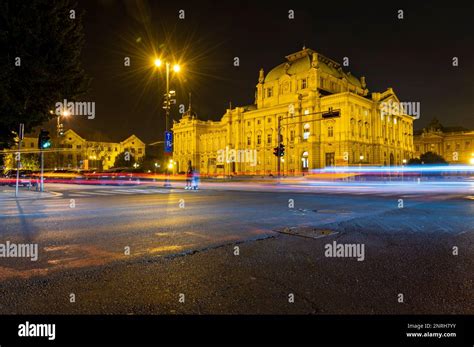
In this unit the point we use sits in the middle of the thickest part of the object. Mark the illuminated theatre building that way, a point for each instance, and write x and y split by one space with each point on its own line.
298 92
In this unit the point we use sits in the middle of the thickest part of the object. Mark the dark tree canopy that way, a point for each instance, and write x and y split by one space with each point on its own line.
48 43
428 158
121 160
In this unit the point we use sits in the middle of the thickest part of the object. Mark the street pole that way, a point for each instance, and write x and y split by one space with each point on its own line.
167 114
18 157
167 95
278 145
42 172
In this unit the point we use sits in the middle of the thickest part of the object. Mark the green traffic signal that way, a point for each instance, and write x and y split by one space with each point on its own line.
44 141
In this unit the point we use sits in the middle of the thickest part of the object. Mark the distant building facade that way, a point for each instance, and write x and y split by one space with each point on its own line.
297 92
454 144
71 151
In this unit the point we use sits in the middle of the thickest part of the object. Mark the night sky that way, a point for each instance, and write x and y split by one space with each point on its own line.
413 55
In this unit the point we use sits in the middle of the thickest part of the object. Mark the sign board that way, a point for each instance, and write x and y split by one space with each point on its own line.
168 142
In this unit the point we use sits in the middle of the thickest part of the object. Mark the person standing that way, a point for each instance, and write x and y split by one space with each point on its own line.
189 176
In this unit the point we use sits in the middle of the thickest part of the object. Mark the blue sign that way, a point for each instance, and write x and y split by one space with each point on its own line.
168 142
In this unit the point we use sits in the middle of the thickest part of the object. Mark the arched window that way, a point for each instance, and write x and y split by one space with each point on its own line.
305 160
306 131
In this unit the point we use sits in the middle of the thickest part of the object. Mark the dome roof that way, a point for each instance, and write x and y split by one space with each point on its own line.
300 62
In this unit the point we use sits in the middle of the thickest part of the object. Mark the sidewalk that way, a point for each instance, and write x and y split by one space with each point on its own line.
8 193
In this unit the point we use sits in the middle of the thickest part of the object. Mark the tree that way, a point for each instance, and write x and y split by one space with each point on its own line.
124 160
41 43
428 158
148 162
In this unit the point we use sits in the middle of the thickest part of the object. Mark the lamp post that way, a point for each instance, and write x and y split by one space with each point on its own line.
176 68
404 162
59 125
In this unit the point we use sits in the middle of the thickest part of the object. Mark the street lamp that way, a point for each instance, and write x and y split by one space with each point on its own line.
176 68
59 125
404 162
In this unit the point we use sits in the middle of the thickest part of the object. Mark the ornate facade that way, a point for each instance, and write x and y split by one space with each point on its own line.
290 99
454 144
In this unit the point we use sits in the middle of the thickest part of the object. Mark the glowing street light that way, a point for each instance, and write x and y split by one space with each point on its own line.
471 161
176 68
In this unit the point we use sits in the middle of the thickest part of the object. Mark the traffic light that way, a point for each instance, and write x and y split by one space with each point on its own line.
44 141
276 151
282 150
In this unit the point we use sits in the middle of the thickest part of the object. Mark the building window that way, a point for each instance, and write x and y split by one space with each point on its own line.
259 139
249 141
269 139
330 131
269 120
292 135
140 151
367 130
269 92
321 82
32 145
78 146
468 144
352 127
448 146
304 83
306 131
258 121
115 149
248 123
417 148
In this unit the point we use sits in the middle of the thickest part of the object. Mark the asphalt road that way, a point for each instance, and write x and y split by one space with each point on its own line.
184 242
